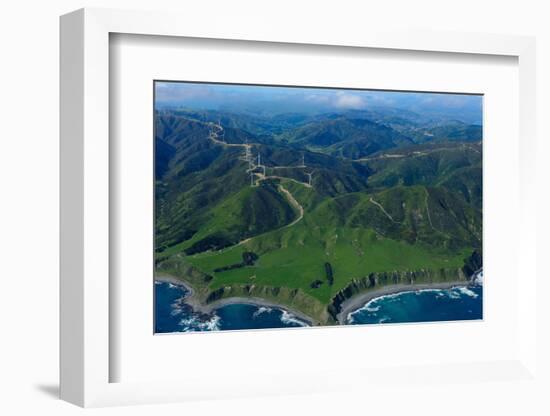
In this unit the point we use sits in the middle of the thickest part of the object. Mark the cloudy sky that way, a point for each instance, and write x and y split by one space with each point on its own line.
276 100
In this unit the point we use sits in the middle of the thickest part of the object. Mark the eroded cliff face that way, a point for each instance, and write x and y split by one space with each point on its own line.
374 280
473 263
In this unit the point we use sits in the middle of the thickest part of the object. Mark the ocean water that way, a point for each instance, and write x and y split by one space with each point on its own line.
430 305
172 314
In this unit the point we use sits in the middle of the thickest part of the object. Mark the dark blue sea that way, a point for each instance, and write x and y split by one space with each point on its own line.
172 314
430 305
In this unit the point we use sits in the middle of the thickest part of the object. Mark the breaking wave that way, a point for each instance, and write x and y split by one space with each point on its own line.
288 318
194 323
176 309
369 308
261 309
467 292
453 294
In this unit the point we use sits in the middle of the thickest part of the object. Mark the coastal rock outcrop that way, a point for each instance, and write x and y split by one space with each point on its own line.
473 263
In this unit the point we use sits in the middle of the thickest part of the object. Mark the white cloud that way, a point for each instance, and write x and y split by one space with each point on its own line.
347 100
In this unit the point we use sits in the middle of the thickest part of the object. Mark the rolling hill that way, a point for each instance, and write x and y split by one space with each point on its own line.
331 199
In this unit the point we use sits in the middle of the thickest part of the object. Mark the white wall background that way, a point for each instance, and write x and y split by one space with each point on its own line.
29 203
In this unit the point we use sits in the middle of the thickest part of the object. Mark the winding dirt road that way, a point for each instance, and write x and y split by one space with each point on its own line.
214 136
415 153
294 203
383 210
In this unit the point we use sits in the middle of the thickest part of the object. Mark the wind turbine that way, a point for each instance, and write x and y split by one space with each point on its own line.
309 177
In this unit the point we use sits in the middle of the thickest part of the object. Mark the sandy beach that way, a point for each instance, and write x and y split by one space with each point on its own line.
198 306
361 299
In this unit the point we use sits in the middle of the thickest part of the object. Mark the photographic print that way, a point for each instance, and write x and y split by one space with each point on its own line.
290 207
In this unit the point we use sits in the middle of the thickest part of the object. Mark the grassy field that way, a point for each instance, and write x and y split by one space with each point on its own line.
296 257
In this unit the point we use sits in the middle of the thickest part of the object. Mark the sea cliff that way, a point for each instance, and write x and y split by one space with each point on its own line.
401 280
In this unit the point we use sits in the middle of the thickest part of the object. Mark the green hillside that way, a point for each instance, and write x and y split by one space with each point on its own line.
329 201
344 137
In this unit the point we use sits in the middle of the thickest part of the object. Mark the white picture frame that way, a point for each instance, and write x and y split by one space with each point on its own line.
85 211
